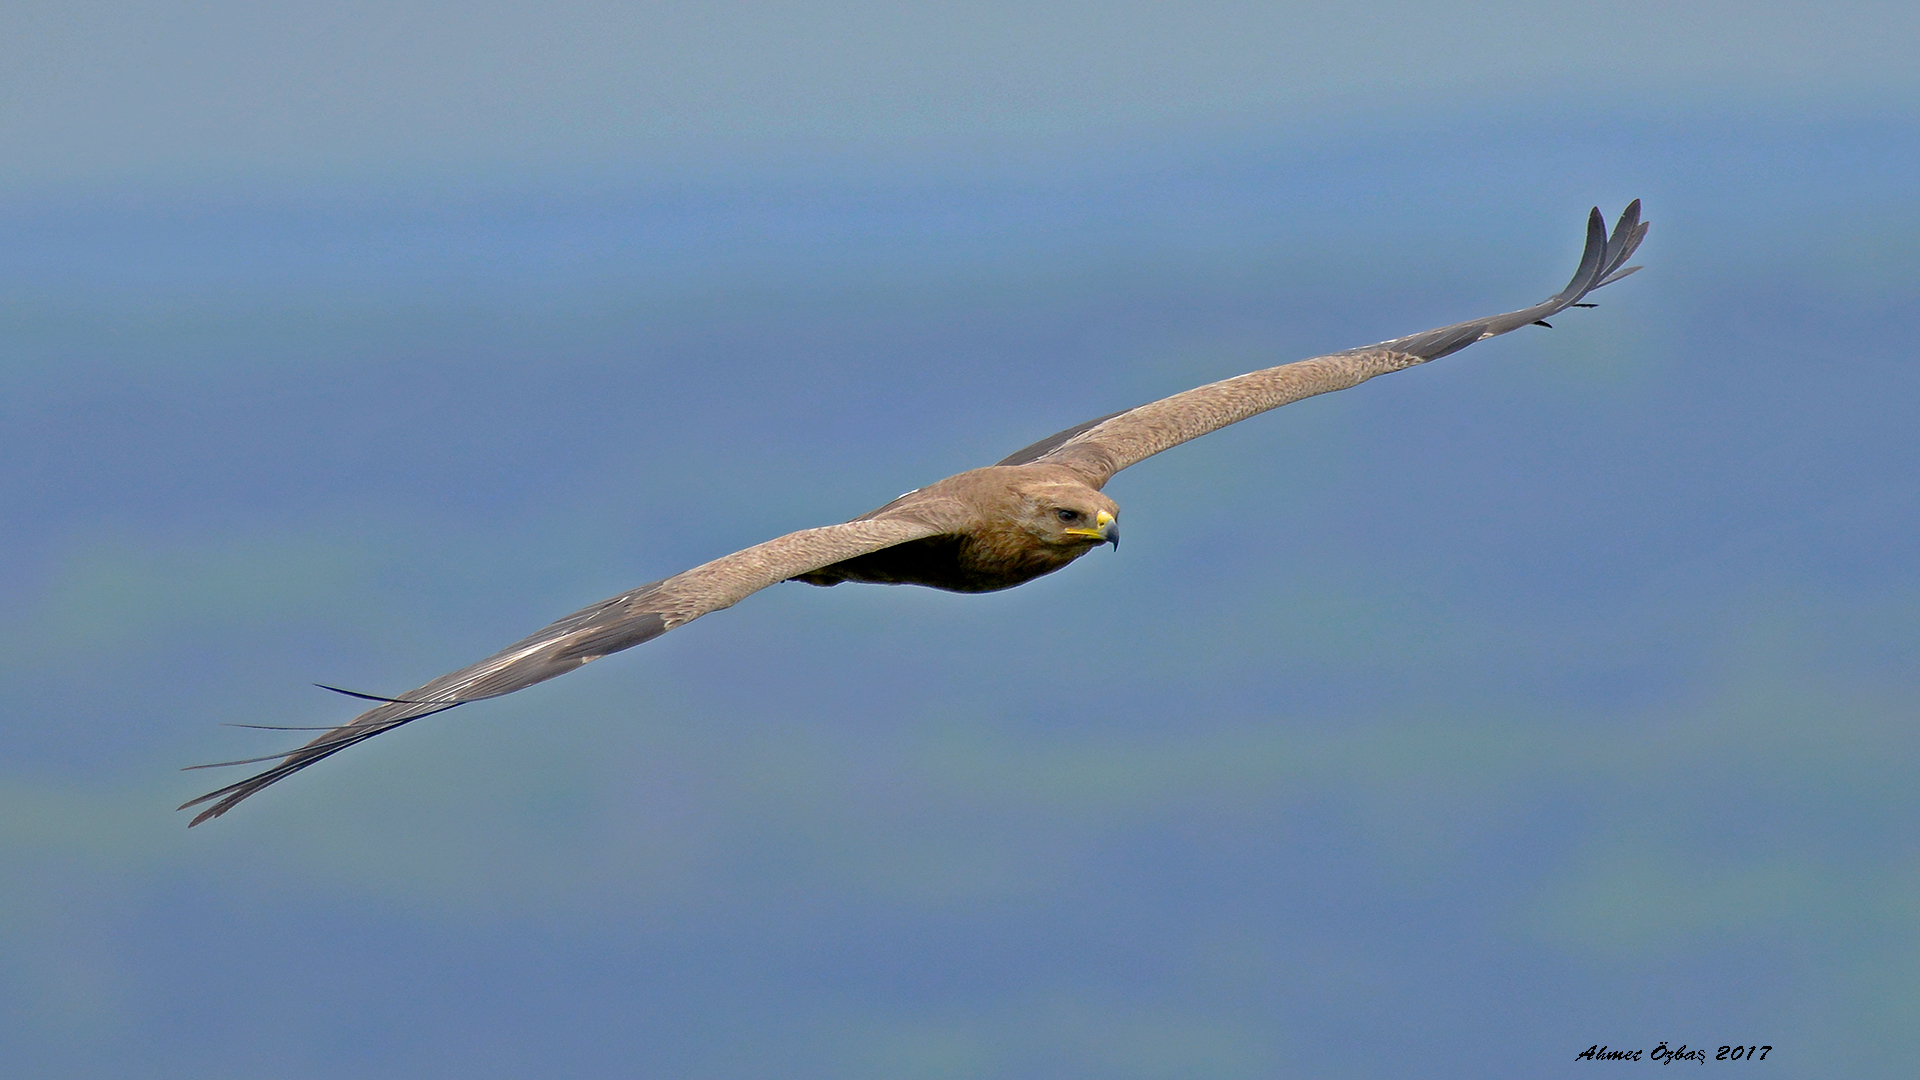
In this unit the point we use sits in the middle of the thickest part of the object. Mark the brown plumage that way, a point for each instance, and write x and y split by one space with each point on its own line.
977 531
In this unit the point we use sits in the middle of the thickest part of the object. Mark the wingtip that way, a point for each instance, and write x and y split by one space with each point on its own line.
203 815
234 794
1600 264
1592 258
1618 274
208 797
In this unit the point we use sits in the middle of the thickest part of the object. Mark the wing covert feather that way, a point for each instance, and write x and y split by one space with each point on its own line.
609 626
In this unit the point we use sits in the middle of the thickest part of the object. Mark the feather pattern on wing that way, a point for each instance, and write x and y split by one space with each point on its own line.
1100 448
609 626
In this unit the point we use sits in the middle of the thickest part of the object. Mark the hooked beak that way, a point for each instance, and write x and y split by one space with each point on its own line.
1107 530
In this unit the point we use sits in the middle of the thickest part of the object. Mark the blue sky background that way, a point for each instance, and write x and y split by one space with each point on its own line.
1559 693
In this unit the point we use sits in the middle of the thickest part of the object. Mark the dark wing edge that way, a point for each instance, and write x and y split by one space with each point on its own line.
1601 264
617 623
1103 446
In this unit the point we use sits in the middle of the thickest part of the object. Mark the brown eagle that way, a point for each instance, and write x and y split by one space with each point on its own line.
981 530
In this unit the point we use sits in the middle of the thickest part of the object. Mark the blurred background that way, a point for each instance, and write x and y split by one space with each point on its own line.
1560 693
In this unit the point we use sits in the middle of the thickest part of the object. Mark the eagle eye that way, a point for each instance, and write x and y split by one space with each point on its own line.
1068 515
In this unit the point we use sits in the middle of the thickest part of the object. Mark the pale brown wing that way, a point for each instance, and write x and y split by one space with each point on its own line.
607 627
1100 448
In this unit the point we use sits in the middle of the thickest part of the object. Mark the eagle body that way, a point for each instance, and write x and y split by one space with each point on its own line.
1001 526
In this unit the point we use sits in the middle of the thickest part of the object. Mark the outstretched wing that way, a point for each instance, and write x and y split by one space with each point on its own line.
607 627
1100 448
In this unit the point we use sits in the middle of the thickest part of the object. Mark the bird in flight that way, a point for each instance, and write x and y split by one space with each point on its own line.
977 531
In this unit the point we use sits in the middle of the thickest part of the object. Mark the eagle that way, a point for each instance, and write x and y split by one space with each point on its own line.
981 530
